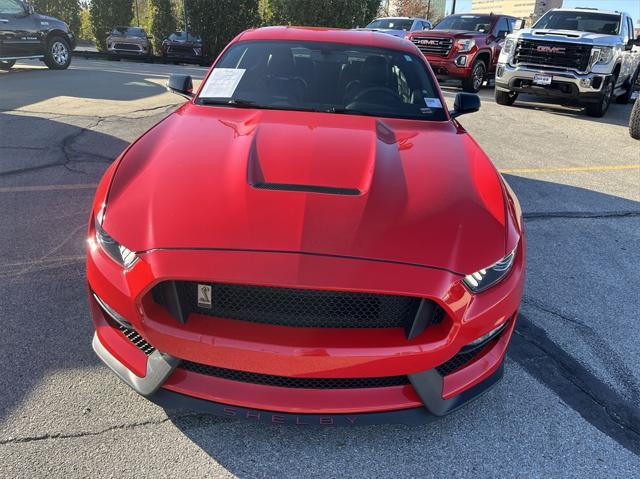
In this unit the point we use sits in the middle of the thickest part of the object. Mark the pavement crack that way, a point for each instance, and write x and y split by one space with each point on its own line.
548 309
74 435
580 215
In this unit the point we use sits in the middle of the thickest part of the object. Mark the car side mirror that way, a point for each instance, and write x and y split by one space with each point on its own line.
501 35
465 103
426 27
180 85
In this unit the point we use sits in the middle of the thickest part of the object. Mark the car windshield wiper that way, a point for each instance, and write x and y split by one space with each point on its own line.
230 102
349 111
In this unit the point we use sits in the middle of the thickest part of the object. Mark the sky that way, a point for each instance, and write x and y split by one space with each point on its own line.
630 6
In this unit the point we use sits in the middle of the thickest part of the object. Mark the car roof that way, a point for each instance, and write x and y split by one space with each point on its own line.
330 35
587 10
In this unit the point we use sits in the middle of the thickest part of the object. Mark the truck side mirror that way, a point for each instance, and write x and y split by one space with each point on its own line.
465 103
180 85
501 35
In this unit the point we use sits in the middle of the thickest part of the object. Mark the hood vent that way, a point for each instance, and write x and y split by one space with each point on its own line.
329 190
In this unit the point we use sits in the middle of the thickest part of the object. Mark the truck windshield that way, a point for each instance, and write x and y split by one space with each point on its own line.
593 22
467 23
392 24
324 77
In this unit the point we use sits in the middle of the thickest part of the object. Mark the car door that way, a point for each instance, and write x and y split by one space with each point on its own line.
19 35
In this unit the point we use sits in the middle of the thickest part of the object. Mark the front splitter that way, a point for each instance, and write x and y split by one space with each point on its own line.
413 416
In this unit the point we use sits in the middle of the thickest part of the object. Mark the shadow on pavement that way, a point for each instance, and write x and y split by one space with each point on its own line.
89 81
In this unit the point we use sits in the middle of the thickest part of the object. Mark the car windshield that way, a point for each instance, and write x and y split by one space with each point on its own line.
392 24
593 22
467 23
182 37
324 77
128 31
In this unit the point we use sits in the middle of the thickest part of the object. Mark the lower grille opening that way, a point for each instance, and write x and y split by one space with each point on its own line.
131 334
297 383
458 361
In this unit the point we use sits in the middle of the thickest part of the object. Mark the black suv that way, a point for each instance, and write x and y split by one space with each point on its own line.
25 34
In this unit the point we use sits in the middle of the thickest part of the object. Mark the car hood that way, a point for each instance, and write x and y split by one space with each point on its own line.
569 36
127 39
398 190
449 34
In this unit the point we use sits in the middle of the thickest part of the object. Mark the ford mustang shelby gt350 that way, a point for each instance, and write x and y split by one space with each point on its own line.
312 238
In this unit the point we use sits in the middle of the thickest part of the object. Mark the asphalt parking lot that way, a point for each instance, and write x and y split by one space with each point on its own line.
567 407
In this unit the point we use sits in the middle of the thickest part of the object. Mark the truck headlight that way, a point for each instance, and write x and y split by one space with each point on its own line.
120 254
487 277
601 55
465 45
506 54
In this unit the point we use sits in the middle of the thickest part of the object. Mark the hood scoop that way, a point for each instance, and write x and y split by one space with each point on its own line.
329 190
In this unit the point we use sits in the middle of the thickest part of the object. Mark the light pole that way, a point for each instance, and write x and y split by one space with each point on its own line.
137 14
453 8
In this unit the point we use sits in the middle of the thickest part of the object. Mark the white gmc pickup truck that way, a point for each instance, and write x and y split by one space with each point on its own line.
587 55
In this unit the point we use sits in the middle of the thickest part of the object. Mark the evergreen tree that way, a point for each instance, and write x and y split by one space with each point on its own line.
324 13
66 10
161 21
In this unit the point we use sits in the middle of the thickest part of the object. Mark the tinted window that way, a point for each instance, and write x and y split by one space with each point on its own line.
129 31
11 7
467 23
325 77
579 21
392 24
182 37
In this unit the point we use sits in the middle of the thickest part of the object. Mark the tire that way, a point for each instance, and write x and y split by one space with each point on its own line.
634 121
7 65
626 98
474 82
58 54
506 97
598 110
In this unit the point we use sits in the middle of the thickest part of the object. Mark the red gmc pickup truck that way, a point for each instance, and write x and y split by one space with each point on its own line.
465 46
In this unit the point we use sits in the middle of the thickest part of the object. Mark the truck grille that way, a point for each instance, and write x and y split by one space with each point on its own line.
554 54
300 308
433 46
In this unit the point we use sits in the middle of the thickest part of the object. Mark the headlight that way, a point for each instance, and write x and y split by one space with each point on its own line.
487 277
605 55
506 54
465 45
118 253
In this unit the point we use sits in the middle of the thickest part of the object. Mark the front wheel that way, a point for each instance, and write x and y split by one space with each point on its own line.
58 54
598 109
506 97
7 65
474 82
634 121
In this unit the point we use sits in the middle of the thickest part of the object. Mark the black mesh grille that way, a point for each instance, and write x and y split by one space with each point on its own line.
137 340
299 307
298 383
556 54
458 361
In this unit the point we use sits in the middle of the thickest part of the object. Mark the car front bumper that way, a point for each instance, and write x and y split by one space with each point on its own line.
564 84
289 352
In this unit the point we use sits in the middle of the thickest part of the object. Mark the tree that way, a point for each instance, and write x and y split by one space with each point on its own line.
220 21
325 13
66 10
161 21
106 14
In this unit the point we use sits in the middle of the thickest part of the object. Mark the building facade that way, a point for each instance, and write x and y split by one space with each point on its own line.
528 9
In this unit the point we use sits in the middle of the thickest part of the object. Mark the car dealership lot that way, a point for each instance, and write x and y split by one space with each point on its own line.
568 405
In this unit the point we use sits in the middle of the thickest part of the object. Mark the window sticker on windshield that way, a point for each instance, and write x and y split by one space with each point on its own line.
408 58
433 102
222 82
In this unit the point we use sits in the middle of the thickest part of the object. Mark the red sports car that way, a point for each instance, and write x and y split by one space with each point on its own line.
311 239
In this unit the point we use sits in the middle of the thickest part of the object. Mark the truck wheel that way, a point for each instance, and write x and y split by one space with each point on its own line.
626 98
7 65
634 121
599 109
506 97
58 54
474 82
